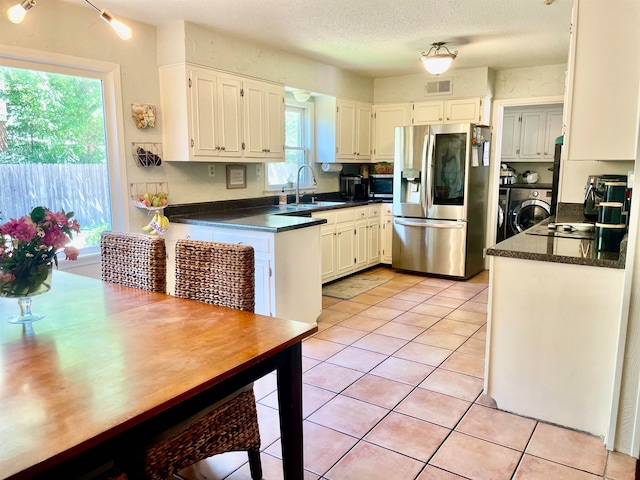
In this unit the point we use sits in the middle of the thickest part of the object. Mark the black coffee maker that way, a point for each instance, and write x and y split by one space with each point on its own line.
352 187
595 192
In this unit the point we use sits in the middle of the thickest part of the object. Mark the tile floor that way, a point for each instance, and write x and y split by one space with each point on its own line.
392 391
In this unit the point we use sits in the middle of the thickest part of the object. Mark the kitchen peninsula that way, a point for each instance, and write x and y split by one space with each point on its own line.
554 310
286 240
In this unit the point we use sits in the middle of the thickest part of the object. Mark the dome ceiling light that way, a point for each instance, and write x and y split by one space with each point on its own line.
435 61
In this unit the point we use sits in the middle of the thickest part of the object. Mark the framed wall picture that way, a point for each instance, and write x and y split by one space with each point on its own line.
236 176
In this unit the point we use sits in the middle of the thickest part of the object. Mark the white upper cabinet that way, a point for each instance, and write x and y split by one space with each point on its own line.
602 86
385 120
204 111
263 120
201 114
529 133
343 129
461 110
353 134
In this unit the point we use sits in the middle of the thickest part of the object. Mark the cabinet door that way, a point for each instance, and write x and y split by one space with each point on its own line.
386 119
229 117
363 131
531 135
346 129
510 135
345 249
329 258
428 113
463 110
553 129
361 244
204 141
263 290
254 115
386 240
374 242
274 121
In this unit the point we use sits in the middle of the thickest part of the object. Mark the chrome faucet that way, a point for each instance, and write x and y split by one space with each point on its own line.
313 175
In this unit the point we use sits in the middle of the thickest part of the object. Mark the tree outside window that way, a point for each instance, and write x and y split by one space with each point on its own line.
298 136
53 148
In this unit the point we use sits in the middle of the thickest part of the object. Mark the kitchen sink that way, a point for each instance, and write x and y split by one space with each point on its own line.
318 204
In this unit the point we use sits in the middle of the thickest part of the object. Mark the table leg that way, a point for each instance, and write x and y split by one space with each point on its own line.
290 401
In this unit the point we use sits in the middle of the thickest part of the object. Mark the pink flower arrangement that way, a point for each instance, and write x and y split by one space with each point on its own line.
30 244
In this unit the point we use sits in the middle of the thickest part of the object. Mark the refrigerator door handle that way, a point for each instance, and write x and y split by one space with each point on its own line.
427 161
450 225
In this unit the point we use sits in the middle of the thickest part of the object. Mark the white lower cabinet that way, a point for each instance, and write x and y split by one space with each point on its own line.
350 240
386 236
287 267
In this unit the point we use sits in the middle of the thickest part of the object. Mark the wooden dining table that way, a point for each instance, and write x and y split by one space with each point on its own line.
109 366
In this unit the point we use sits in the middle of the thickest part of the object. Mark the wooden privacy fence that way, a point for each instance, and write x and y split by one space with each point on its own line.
83 189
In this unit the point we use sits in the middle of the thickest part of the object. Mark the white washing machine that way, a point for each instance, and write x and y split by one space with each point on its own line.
527 206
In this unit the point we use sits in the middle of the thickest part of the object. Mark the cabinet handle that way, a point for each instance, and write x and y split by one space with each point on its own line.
440 118
221 148
268 150
537 153
192 142
447 118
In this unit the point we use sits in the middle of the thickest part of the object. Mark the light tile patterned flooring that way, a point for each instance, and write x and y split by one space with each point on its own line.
392 391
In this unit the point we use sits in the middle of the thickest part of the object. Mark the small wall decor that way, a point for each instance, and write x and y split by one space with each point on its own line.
147 154
236 176
144 115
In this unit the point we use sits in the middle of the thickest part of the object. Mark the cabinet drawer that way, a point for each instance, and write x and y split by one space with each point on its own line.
259 244
346 215
374 211
330 217
362 212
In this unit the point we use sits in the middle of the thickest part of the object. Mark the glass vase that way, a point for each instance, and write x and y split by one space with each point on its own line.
37 283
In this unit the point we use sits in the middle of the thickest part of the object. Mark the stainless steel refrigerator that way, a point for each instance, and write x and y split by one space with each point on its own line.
440 196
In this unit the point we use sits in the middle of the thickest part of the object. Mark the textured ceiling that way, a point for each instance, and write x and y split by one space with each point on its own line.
379 38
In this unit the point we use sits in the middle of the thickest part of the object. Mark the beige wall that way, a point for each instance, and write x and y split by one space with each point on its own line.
543 81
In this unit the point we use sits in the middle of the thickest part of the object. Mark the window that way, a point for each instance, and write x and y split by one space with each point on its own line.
298 148
56 149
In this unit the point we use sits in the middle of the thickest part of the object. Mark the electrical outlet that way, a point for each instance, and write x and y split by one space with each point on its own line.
259 170
212 170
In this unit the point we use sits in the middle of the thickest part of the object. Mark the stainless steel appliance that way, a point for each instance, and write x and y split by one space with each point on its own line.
527 207
440 190
503 209
381 185
352 187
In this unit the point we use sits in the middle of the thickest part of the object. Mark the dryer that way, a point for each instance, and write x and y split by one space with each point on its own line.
503 209
527 206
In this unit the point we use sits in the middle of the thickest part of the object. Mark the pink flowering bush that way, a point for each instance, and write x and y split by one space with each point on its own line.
29 245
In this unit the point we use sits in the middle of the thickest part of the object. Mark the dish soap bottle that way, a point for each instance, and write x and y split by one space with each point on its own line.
283 198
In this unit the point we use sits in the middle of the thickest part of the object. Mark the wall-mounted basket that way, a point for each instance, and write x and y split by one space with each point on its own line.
156 189
147 154
144 115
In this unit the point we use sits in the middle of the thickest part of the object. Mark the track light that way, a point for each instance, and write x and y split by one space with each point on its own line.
17 13
123 31
437 62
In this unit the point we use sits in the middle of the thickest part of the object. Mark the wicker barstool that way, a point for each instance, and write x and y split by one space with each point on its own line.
220 274
134 260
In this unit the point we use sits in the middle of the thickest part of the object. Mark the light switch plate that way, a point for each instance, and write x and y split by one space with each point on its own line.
258 170
212 170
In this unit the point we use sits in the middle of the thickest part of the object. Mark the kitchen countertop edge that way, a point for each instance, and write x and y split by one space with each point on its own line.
519 246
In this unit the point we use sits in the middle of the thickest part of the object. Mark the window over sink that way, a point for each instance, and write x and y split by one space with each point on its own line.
298 148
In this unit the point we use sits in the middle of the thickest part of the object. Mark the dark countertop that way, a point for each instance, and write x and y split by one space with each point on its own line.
551 248
261 217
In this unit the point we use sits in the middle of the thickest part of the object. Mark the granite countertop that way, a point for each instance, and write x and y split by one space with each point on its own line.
552 248
249 216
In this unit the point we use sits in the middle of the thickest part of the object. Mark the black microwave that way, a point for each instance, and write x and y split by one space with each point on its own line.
381 185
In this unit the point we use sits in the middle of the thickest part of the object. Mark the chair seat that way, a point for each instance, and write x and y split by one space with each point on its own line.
232 426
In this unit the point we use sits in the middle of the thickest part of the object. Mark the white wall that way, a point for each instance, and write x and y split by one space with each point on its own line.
468 82
530 82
